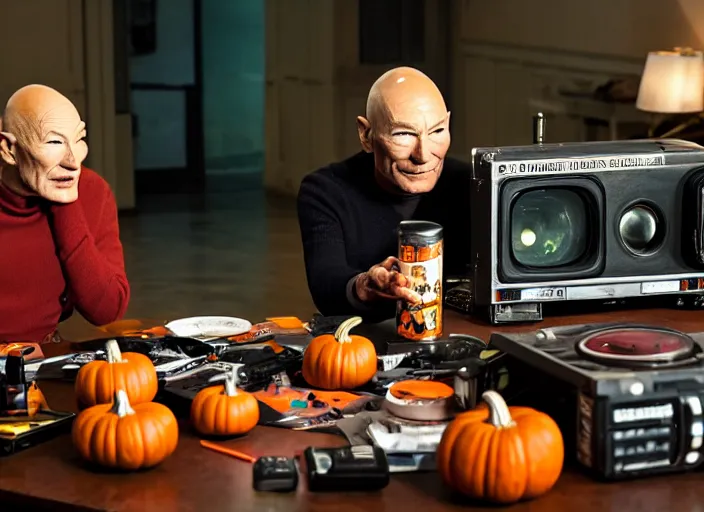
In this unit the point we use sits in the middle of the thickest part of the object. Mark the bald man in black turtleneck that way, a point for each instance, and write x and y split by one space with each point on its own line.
349 211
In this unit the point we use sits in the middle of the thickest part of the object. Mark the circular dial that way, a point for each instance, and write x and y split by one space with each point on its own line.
637 344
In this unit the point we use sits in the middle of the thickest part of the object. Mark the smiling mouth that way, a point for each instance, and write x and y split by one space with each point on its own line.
416 173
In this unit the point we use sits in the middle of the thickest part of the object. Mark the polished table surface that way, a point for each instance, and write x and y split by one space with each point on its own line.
51 476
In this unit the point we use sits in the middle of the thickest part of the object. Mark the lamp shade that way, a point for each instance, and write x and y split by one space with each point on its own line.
672 83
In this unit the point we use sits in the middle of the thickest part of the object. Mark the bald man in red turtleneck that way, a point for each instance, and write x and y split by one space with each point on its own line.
59 238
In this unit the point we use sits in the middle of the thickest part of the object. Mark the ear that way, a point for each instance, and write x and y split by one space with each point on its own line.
364 129
7 148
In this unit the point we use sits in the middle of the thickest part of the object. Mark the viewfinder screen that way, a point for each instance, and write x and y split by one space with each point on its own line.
549 227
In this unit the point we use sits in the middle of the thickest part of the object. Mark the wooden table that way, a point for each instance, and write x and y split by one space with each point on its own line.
51 477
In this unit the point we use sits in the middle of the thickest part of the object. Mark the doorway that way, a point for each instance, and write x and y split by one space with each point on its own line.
197 94
166 96
233 92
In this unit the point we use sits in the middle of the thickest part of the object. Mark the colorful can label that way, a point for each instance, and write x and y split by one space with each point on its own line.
420 260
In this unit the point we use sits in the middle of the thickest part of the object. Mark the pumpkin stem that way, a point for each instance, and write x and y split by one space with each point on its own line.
121 404
232 379
342 334
112 350
500 416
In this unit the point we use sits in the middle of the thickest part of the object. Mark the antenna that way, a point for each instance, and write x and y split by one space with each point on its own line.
539 128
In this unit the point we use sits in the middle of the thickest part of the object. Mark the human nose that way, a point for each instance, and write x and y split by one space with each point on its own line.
69 161
421 151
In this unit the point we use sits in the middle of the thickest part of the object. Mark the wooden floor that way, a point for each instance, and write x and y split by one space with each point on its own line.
234 252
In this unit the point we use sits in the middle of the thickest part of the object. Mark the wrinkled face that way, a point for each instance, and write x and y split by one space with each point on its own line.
411 142
50 152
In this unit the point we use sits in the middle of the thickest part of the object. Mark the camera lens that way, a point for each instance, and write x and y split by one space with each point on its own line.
639 228
549 228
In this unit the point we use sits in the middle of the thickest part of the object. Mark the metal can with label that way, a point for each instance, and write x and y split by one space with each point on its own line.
420 255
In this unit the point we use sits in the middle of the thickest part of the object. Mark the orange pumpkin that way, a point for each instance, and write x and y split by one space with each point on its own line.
340 361
224 410
501 454
122 436
132 372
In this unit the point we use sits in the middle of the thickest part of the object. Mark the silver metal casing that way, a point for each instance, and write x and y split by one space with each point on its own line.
626 172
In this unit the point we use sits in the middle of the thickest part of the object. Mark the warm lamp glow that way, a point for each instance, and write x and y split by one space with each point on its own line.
672 83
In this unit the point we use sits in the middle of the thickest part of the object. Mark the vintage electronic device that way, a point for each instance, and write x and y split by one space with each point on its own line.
429 358
18 396
263 363
17 433
25 416
628 398
350 468
590 221
171 355
275 474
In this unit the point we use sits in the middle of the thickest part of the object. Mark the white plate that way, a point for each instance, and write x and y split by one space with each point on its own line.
209 327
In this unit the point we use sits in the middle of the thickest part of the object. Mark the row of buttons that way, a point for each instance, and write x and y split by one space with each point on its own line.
697 429
652 446
641 433
648 447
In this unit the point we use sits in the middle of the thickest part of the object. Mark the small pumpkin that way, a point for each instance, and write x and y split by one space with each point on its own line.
224 410
132 372
501 454
340 361
123 436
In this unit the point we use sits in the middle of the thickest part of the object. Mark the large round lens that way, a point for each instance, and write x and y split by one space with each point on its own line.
549 228
638 228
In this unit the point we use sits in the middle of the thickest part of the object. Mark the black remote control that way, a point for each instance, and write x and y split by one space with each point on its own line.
352 468
275 474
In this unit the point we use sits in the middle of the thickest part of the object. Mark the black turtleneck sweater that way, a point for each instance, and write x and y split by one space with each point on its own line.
348 223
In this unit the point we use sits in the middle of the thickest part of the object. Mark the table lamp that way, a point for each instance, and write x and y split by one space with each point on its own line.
673 83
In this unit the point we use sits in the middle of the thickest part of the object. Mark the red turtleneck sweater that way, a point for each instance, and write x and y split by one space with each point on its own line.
57 257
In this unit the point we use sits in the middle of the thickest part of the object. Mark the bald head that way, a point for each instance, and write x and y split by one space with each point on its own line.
42 144
407 128
399 89
30 109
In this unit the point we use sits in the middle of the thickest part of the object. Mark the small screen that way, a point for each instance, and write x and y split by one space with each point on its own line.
549 227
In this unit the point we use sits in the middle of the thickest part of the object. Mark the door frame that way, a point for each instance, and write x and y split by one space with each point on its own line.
189 179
